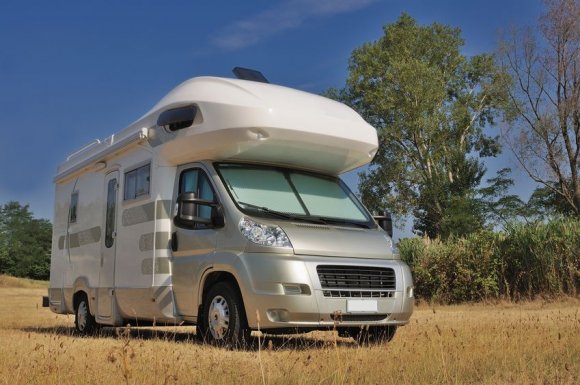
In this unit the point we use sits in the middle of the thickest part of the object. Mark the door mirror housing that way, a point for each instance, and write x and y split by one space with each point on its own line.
189 212
385 222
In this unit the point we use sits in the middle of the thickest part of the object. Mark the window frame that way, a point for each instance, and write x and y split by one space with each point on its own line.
135 169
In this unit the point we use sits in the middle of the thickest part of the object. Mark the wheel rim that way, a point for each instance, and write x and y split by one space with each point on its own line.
82 312
219 317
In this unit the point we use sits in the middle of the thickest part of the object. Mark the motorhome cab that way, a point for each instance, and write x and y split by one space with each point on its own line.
222 207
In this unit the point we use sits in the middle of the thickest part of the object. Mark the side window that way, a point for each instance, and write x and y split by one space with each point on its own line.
196 181
188 182
110 213
74 202
137 182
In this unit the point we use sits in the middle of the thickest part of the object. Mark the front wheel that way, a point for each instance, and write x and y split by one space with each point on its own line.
223 320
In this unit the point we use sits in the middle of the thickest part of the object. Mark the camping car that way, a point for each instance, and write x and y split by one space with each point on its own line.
222 207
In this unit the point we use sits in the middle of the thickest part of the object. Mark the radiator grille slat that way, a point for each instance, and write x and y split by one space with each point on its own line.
356 277
357 294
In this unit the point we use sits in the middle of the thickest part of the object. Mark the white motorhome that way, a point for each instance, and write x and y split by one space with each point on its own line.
222 207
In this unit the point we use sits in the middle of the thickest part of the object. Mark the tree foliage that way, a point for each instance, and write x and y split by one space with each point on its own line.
544 101
430 105
498 207
545 203
25 242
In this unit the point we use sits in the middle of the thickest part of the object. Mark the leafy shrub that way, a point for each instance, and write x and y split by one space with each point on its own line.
524 261
541 259
457 270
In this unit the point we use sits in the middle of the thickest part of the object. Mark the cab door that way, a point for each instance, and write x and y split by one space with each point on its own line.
193 246
106 289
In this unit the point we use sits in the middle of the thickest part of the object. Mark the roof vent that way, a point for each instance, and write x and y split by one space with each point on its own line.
249 74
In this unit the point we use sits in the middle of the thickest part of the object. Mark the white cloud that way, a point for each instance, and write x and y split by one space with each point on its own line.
286 15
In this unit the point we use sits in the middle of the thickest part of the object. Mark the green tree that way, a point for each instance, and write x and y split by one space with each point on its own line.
498 207
25 242
546 203
430 105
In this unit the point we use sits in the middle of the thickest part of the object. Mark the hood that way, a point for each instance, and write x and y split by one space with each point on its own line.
322 240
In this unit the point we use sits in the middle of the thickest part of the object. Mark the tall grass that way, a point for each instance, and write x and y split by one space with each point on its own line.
504 343
522 262
8 281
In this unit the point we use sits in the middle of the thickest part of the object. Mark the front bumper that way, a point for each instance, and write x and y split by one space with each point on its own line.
269 306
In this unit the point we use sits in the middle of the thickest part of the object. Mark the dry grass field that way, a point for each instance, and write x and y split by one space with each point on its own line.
530 343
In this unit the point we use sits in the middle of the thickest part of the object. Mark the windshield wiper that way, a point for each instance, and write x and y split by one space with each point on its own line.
310 219
267 210
343 222
283 215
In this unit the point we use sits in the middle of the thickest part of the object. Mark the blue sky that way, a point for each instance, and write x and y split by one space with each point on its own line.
73 71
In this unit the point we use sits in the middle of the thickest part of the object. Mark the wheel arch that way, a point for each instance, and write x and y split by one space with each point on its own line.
81 287
211 278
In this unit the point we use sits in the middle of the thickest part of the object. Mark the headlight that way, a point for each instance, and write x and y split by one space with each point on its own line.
389 243
392 248
265 235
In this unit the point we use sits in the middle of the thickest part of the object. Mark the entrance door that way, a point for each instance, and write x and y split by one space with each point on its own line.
106 289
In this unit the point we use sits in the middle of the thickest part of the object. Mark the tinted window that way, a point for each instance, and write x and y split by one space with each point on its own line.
177 118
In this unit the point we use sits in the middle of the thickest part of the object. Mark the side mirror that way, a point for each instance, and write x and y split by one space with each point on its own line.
385 222
190 212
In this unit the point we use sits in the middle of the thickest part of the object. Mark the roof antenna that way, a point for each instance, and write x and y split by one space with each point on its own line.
249 74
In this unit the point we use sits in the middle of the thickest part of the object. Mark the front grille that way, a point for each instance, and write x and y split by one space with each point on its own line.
357 294
356 277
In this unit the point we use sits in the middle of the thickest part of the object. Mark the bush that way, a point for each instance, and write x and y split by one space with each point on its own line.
541 259
457 270
524 261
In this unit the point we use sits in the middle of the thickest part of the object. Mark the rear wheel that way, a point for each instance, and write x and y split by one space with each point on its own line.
223 320
85 323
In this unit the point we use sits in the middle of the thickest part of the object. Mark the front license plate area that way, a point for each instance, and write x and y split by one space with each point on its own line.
362 306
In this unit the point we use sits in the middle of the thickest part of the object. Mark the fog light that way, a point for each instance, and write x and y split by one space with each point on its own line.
278 315
295 289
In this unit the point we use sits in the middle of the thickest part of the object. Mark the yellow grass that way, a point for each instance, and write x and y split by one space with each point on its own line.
8 281
531 343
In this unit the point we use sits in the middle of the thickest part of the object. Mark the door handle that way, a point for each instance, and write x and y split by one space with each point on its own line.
174 241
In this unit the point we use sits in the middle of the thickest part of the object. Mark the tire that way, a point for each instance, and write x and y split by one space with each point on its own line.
85 323
366 335
223 321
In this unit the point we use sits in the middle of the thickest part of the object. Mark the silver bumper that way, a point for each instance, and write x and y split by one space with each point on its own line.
286 292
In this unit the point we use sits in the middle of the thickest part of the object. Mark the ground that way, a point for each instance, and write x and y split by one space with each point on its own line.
503 343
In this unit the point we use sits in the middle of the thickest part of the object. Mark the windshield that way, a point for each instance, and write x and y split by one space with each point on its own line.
292 194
